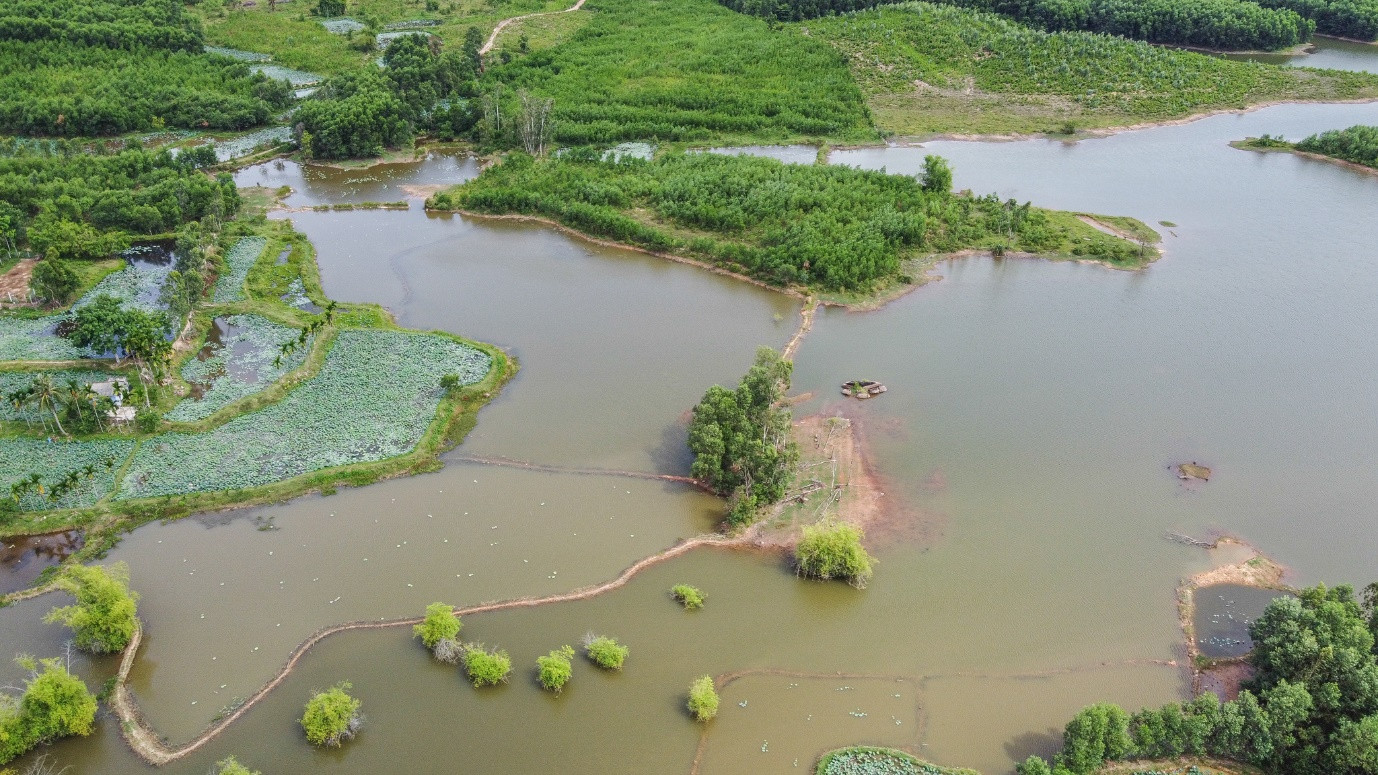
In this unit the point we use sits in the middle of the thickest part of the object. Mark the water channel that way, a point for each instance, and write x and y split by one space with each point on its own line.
1033 412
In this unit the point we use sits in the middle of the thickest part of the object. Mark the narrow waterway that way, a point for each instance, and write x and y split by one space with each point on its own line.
1033 412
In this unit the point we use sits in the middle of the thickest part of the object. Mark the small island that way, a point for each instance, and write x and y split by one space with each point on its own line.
1355 147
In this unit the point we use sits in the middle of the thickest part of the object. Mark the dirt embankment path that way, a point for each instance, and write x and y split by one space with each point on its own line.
14 284
493 38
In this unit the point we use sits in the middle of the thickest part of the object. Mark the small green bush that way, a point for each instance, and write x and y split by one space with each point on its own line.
332 716
554 669
703 699
690 597
486 668
231 766
605 652
833 550
440 624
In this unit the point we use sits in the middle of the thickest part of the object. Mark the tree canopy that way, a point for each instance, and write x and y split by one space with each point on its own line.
103 618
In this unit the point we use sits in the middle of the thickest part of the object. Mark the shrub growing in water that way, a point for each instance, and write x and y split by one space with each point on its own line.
231 766
690 597
833 550
554 669
605 652
332 717
440 624
55 704
486 668
102 619
703 699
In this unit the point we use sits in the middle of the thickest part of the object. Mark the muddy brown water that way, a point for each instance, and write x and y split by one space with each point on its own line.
22 558
1223 615
1032 412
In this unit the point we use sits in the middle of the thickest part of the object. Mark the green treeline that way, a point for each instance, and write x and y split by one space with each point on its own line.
359 114
689 70
1346 18
1222 24
1358 144
741 438
1311 708
829 227
99 67
68 204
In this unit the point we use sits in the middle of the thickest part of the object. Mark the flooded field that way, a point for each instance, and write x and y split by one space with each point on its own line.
1223 615
1033 412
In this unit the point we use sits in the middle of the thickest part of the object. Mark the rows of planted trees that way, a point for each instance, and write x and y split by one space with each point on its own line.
1311 708
99 67
1221 24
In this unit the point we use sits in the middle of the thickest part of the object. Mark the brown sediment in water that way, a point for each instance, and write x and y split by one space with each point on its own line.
1243 565
508 462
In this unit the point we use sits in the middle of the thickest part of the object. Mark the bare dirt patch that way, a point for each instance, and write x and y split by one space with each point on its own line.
14 284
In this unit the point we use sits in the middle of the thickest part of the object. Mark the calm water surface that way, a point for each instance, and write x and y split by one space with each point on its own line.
1033 411
1325 53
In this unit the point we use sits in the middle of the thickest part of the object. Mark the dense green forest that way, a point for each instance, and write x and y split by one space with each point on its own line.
1358 144
822 226
99 67
688 70
981 72
1221 24
1345 18
71 204
1311 708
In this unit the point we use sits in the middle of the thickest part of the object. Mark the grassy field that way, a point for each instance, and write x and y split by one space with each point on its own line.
295 38
928 69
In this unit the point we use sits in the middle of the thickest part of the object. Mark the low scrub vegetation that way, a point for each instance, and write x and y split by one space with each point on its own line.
104 617
486 668
554 669
440 625
690 597
332 717
1310 709
833 550
605 652
703 699
231 766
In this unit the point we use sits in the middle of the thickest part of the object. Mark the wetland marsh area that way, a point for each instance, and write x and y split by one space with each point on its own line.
1022 450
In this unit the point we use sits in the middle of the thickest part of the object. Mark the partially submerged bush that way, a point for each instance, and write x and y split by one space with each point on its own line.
554 669
54 704
486 668
703 699
690 597
102 620
440 624
833 550
605 652
332 716
231 766
448 650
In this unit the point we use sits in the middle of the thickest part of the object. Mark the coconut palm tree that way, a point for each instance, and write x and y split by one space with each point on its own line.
47 396
76 393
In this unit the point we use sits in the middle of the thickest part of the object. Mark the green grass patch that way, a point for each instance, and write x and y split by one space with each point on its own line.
930 69
689 70
691 598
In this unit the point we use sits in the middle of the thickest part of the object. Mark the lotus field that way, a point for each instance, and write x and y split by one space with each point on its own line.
239 259
53 460
241 365
373 398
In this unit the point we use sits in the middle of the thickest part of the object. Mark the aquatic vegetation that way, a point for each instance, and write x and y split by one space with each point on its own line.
342 25
554 669
605 652
54 460
862 760
293 77
332 717
833 550
690 597
239 54
703 699
138 285
243 364
35 339
104 617
373 398
235 147
440 624
239 259
486 668
231 766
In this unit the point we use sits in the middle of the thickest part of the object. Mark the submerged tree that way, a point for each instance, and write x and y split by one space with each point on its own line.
103 618
332 716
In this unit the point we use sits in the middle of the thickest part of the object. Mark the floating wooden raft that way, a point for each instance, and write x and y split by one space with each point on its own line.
862 388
